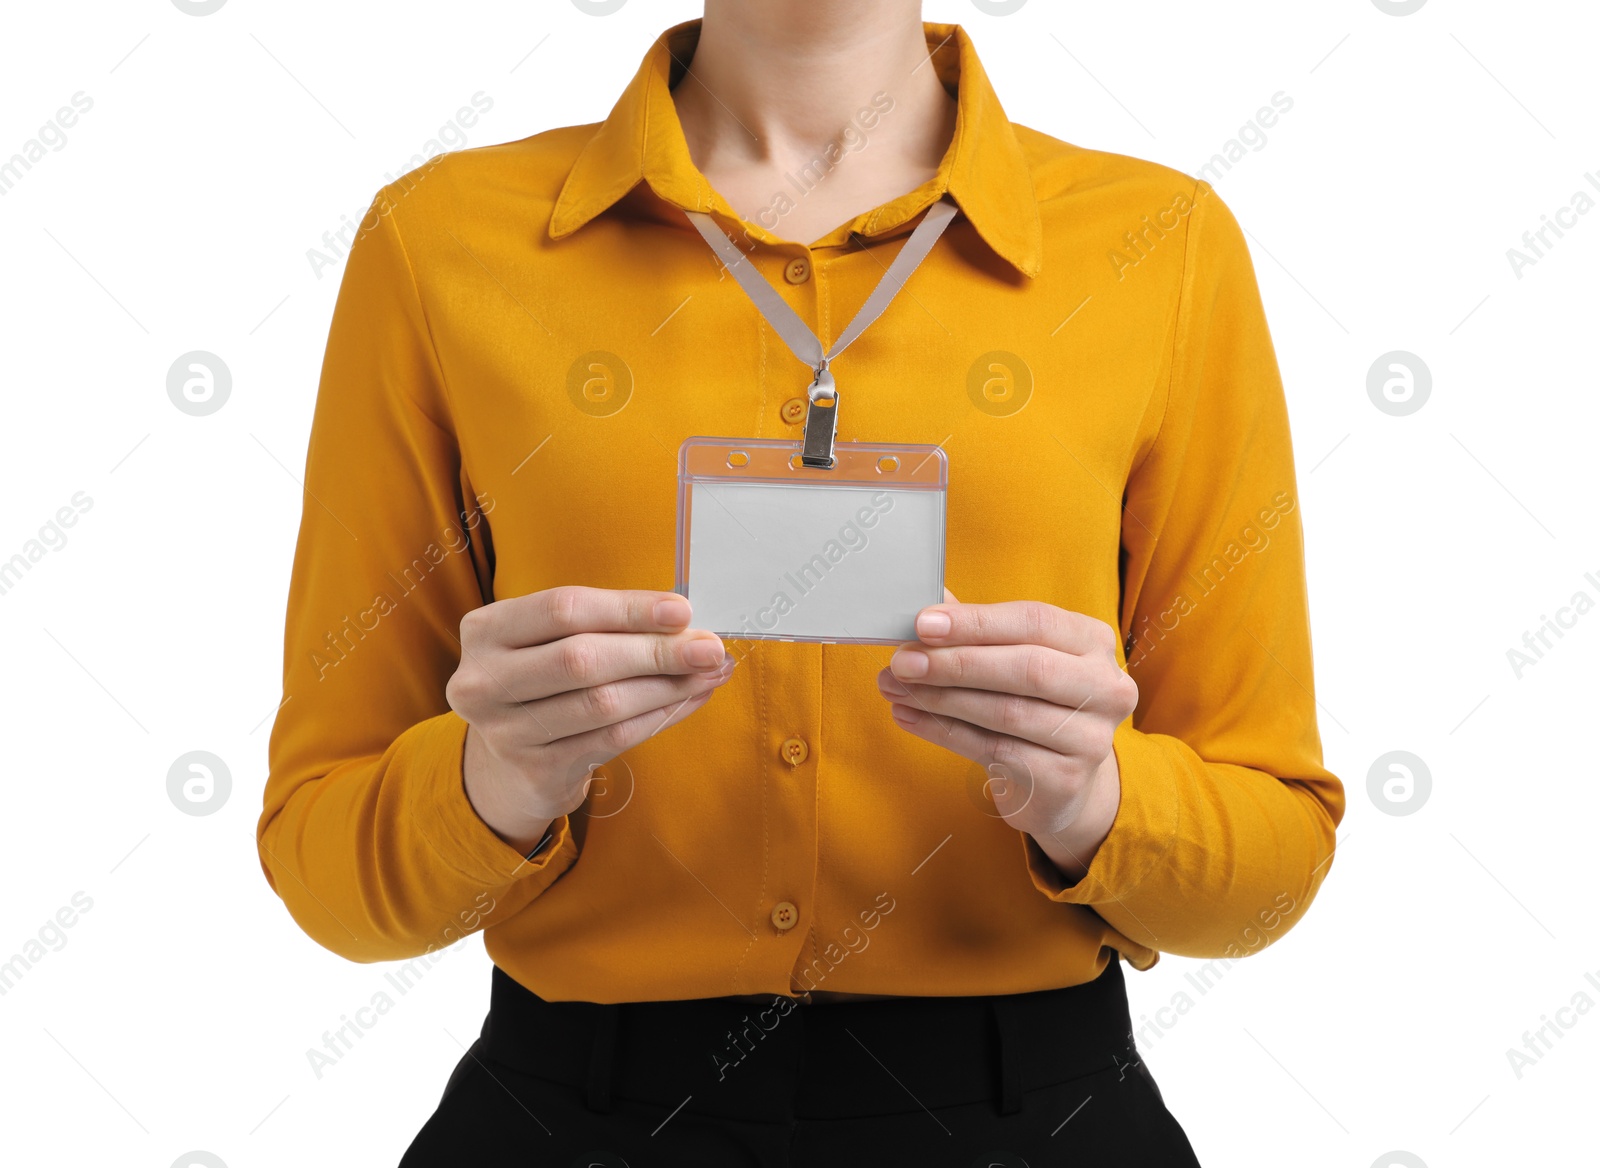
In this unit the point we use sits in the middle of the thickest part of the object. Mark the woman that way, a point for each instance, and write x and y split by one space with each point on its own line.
741 910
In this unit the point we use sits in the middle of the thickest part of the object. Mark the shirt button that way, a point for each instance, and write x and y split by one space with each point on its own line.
785 915
794 410
794 751
798 270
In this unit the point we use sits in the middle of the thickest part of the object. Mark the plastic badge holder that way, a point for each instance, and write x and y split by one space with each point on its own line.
771 550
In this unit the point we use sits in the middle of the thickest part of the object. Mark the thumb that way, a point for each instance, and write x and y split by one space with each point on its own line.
950 597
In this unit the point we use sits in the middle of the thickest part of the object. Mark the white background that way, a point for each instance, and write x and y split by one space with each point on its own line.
178 1013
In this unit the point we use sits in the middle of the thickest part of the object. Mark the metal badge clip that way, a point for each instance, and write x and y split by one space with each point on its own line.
822 417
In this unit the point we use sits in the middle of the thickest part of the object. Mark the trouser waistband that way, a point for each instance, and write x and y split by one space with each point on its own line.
826 1060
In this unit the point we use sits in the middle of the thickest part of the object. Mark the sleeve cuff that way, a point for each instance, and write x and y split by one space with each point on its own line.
1141 837
453 828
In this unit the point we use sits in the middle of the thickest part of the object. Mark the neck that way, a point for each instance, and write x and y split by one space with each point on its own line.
774 81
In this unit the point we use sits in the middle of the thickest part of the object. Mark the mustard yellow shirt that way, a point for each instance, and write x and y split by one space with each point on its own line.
526 333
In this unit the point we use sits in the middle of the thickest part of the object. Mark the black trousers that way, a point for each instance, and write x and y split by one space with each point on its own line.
1047 1078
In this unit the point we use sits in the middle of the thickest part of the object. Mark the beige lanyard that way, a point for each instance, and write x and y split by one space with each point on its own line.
822 412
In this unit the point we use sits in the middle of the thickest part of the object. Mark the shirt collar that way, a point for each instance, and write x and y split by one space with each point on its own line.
984 169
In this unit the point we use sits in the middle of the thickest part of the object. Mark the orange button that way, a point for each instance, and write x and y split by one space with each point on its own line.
785 915
798 270
793 751
794 410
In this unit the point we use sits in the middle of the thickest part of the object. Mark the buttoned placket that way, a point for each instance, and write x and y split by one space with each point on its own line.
788 677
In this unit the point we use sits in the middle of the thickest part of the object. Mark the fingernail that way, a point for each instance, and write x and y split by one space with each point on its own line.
703 654
891 686
909 663
671 612
722 671
933 623
905 714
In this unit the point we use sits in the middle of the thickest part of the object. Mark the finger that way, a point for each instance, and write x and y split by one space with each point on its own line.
950 597
541 617
1018 762
593 659
579 711
1031 670
610 741
1057 728
1014 622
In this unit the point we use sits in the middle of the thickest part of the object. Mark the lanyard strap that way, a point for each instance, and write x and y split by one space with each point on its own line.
823 397
786 322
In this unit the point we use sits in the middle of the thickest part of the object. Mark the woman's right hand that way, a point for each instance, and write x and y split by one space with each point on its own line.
554 683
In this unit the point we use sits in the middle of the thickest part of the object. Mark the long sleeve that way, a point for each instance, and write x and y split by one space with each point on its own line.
366 832
1226 825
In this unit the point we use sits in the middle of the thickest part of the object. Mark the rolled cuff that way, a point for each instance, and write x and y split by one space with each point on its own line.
1141 837
460 838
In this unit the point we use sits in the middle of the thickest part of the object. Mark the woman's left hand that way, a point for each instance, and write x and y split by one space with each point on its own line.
1033 693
